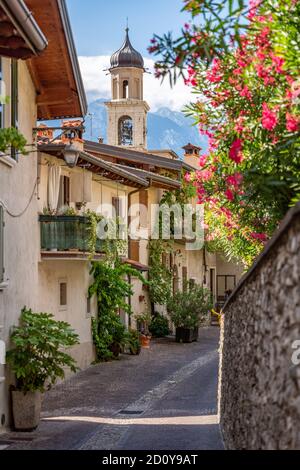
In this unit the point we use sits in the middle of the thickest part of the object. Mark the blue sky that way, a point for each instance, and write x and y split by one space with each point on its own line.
99 29
99 25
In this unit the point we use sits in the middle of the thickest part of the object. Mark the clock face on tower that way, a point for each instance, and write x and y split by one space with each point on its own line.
125 131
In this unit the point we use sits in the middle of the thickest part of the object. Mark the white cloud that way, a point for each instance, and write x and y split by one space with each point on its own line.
97 84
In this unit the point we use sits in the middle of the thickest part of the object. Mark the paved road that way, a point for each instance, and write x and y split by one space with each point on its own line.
164 399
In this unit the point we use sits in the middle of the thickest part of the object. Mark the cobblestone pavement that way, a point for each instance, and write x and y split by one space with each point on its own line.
164 399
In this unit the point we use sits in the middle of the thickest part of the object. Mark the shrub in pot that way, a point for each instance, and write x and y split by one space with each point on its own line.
119 337
134 342
187 310
159 326
37 361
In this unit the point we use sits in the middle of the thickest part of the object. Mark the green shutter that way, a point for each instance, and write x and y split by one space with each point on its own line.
1 245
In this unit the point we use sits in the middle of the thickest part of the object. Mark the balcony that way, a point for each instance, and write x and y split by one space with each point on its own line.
68 237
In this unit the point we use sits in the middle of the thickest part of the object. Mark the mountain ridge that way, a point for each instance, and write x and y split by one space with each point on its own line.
167 129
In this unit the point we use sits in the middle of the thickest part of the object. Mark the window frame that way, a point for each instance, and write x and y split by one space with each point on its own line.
61 282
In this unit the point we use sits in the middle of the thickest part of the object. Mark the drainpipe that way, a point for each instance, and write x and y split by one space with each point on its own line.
2 355
132 193
205 266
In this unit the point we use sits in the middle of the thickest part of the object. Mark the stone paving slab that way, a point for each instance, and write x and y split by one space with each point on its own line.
99 407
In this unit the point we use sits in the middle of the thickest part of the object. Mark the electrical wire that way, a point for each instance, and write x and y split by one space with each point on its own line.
17 216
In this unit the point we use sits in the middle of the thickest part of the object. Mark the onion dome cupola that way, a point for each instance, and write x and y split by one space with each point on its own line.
127 56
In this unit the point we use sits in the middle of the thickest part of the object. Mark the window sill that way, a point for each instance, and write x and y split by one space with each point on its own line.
3 285
8 161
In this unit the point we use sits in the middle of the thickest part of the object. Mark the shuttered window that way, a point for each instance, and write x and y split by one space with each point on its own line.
135 250
1 244
116 203
143 200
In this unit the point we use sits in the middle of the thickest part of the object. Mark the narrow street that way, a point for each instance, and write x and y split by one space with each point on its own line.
166 398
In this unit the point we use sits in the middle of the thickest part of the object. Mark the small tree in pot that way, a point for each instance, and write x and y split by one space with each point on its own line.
187 310
37 361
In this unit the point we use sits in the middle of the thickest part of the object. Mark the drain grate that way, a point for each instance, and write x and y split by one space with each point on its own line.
131 412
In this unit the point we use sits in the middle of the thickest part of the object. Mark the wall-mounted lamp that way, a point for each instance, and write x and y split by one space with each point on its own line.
71 155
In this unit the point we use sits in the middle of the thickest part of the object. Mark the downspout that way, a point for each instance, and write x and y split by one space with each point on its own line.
129 199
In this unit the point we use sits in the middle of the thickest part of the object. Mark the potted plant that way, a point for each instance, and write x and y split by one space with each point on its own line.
37 361
143 324
134 342
187 310
159 327
119 337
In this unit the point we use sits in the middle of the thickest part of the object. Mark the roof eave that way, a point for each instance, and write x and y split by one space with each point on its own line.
24 22
73 55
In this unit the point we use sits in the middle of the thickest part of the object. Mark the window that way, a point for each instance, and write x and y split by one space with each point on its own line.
88 305
125 89
125 131
63 290
64 192
2 97
14 100
1 244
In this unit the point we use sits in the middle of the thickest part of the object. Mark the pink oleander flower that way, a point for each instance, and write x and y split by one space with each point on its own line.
204 175
188 177
253 6
229 195
235 180
235 152
214 75
203 160
278 63
292 122
246 93
269 118
259 236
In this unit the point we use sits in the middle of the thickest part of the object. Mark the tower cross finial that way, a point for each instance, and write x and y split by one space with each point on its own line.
127 27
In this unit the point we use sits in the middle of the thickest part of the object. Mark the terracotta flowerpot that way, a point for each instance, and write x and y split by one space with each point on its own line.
145 341
26 410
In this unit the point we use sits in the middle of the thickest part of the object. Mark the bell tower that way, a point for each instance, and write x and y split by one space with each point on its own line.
127 111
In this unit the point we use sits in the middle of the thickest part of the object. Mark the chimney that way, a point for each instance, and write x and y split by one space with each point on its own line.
44 134
192 155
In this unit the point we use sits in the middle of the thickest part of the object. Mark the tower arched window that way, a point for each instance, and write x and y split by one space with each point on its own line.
125 89
125 131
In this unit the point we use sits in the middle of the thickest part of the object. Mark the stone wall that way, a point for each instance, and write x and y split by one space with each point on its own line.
259 385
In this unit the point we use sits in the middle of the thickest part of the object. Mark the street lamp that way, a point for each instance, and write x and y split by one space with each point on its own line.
71 155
